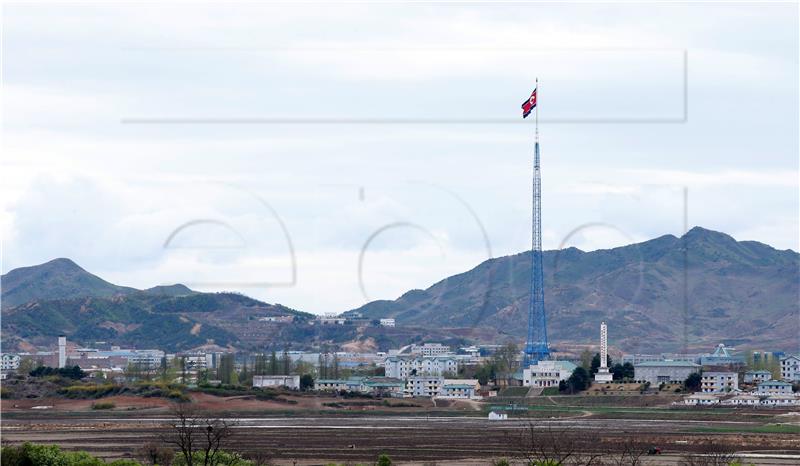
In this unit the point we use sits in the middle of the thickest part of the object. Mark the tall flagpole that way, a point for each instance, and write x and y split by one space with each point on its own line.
536 346
537 110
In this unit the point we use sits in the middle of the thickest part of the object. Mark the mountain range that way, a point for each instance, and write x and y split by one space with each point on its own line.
665 294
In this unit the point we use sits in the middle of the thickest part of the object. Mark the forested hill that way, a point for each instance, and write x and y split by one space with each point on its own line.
739 292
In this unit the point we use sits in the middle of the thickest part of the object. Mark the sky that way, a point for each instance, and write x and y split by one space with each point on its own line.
322 155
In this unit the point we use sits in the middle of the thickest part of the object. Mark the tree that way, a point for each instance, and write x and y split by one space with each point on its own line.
505 360
225 371
286 362
384 460
306 382
197 435
578 381
260 367
245 377
586 359
335 366
693 382
273 364
155 454
27 365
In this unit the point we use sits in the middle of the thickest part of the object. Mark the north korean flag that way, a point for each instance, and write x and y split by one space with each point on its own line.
529 105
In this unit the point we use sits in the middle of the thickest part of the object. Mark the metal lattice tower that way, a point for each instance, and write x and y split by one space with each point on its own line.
536 347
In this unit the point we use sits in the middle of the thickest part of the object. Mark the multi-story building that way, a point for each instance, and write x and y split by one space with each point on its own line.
404 366
790 368
547 373
757 376
719 382
430 349
658 372
460 389
10 362
774 387
424 386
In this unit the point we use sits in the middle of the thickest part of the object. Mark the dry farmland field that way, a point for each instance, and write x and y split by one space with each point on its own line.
318 430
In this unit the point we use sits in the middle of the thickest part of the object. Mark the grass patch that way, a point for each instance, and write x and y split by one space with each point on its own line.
103 405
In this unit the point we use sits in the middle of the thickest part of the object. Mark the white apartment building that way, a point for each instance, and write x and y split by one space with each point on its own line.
790 369
547 373
430 349
719 382
404 366
10 362
424 386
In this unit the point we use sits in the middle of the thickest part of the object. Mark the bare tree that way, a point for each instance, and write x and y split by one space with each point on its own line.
629 452
554 447
156 454
194 432
711 454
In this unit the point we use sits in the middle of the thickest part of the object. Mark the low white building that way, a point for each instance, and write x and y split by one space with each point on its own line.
10 362
701 399
757 376
547 373
288 381
387 322
495 416
331 319
780 400
790 369
658 372
743 400
774 387
353 384
719 382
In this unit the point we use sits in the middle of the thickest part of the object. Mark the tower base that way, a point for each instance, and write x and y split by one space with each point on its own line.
603 376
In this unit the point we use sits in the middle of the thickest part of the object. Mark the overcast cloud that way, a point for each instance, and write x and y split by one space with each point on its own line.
282 212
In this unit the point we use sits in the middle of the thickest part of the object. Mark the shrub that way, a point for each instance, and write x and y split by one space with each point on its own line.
384 460
29 454
104 405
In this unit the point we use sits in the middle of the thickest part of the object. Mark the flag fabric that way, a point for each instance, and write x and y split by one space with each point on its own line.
529 105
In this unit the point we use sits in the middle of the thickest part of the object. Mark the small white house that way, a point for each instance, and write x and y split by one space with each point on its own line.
774 387
757 376
494 416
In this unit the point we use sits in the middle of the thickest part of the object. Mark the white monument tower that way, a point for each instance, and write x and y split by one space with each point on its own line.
62 351
603 376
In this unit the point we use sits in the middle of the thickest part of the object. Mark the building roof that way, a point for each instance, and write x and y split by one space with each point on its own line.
775 383
667 364
460 385
758 372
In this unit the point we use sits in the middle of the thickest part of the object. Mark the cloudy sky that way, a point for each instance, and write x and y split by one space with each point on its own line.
323 154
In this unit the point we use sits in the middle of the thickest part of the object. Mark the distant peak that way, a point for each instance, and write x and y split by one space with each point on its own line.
700 232
64 263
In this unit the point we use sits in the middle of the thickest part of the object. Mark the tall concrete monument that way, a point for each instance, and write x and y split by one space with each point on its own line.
603 376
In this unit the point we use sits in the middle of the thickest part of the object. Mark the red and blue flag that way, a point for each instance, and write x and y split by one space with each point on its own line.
529 105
